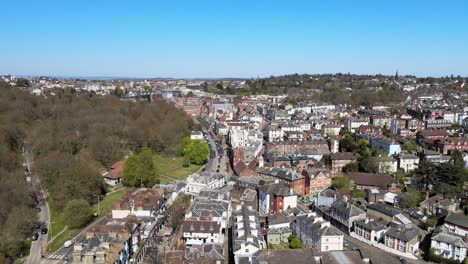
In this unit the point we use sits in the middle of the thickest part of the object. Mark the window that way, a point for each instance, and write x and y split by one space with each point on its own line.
246 250
326 248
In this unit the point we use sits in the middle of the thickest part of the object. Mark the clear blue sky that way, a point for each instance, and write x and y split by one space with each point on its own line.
236 38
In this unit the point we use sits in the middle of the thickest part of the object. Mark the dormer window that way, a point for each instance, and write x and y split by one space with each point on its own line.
192 228
202 228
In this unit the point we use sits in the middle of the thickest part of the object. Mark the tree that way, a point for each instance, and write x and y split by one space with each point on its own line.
341 183
140 170
348 144
410 199
351 167
197 151
294 242
355 193
77 213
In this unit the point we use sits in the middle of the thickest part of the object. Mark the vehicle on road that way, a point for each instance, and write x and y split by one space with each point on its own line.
38 209
35 236
69 243
345 243
44 230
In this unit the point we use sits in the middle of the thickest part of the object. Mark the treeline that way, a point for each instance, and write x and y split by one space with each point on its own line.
17 214
73 138
332 88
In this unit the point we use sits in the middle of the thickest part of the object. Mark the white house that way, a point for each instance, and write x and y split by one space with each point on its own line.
448 244
196 135
197 232
198 181
315 232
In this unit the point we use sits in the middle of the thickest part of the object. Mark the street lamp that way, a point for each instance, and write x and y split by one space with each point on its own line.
99 207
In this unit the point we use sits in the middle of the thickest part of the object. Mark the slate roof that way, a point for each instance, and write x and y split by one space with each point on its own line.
372 224
403 234
457 219
348 211
196 226
443 235
281 173
384 209
277 189
278 219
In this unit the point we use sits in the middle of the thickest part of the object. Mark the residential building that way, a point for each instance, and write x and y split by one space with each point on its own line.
403 239
408 162
388 145
197 232
354 123
457 224
114 175
143 202
364 181
320 179
386 164
196 135
343 215
448 244
198 181
447 145
247 240
299 183
370 230
275 198
315 232
339 160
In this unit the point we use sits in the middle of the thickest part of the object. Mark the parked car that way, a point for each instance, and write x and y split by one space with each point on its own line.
37 225
35 236
69 243
38 209
44 230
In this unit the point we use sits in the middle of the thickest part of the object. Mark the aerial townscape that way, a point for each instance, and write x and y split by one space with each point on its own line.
234 132
230 171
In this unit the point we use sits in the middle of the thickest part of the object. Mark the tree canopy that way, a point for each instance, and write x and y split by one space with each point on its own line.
140 170
77 213
196 151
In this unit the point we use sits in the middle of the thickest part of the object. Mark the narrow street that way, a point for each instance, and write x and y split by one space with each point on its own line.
39 246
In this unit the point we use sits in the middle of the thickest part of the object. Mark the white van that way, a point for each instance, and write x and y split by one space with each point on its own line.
69 243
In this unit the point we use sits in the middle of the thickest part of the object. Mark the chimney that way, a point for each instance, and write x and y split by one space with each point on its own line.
366 260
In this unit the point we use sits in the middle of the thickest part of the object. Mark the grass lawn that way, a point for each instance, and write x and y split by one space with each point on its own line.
108 201
170 168
56 220
60 240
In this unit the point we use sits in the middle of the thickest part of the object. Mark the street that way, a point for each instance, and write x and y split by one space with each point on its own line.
39 246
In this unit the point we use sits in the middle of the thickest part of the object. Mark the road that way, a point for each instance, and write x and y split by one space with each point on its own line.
38 246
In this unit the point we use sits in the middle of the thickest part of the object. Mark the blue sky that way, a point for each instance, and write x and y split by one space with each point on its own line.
232 38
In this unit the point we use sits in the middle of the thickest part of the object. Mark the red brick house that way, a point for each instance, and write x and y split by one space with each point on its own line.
299 183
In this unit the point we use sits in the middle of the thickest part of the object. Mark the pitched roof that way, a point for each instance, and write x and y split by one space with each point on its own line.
115 171
197 226
277 189
371 179
403 234
342 156
281 173
457 219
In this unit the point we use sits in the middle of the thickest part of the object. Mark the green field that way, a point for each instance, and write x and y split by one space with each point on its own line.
170 169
